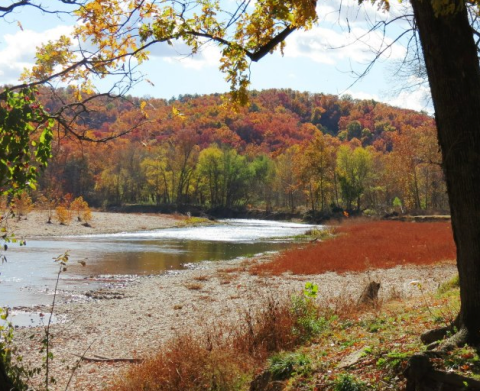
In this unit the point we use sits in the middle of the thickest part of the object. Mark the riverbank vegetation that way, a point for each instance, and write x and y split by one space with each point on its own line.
303 342
349 348
361 245
287 151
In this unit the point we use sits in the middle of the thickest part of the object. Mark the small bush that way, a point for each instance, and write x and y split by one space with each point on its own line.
266 330
453 283
3 203
81 209
22 204
284 365
194 286
62 214
86 216
48 205
10 360
308 323
347 382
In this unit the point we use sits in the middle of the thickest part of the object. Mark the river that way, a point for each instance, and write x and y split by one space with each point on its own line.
28 278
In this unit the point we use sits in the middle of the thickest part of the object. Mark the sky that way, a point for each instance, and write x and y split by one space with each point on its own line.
325 59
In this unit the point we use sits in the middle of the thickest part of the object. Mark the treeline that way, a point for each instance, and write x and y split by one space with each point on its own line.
286 151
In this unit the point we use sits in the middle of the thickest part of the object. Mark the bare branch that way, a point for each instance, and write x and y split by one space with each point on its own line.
5 10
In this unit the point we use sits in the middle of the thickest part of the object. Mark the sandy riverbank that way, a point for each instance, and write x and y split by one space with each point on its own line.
35 224
146 313
154 309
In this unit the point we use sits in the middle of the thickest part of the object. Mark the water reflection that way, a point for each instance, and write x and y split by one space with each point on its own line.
29 276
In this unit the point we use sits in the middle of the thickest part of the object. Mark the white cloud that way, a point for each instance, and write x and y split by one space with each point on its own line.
418 99
349 14
361 95
327 46
208 56
19 50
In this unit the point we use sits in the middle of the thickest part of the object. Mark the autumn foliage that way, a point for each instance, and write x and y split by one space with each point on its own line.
360 246
288 150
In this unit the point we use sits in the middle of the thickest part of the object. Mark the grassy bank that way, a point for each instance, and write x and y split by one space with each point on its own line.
304 342
298 345
361 245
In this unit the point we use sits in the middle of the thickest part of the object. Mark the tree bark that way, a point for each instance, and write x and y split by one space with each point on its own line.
454 75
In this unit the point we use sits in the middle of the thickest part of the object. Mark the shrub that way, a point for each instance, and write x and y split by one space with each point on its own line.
10 359
3 203
453 283
266 330
86 216
284 365
80 206
347 382
308 323
62 214
22 204
48 205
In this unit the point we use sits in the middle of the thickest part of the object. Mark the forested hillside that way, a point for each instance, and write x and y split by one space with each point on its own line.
287 150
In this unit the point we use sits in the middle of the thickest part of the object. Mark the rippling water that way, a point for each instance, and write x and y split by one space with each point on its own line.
28 278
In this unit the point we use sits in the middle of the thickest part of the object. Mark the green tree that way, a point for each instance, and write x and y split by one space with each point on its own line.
354 130
156 173
287 182
210 169
237 176
354 170
263 175
318 171
25 139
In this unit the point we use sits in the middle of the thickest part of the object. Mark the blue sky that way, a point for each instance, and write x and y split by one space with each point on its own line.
319 60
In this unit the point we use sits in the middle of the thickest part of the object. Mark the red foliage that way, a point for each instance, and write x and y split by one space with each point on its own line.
360 246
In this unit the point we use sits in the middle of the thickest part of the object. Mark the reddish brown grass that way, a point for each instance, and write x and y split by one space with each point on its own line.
364 245
186 363
223 357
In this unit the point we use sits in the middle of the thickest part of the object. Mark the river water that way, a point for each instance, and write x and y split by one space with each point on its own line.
28 278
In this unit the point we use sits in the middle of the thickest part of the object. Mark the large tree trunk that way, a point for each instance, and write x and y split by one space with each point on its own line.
454 75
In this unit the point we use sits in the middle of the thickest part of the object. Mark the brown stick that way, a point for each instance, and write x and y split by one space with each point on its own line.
107 359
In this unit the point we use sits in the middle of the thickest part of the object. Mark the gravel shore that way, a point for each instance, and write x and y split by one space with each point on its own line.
133 320
35 224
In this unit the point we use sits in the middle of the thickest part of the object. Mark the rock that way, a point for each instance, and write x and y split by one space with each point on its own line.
351 359
265 382
370 293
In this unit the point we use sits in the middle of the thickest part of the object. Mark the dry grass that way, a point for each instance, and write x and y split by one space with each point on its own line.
363 245
186 363
220 356
201 278
194 286
226 277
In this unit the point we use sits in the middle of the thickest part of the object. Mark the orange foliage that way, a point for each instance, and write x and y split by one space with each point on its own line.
359 246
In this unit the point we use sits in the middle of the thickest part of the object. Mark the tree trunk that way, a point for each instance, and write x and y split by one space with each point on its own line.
454 75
